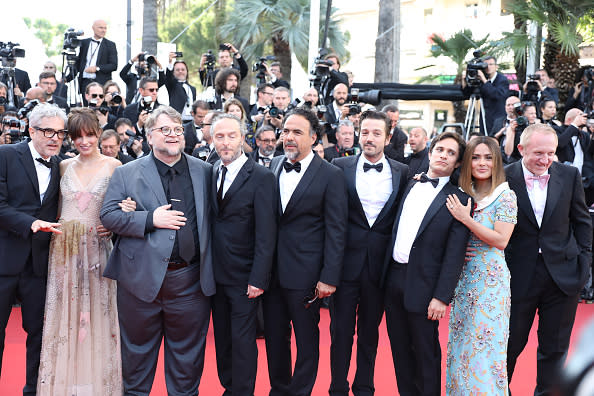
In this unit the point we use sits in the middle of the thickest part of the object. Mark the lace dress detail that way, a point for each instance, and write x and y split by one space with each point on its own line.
80 352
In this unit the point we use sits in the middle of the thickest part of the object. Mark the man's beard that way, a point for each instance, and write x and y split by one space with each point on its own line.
170 152
293 155
267 151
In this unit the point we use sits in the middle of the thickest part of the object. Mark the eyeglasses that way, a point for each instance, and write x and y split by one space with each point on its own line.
268 141
167 131
151 89
50 132
97 96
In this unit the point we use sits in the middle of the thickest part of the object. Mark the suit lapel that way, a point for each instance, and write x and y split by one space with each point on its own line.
436 205
554 187
351 179
240 179
198 185
276 168
153 179
28 165
305 181
396 175
518 184
215 177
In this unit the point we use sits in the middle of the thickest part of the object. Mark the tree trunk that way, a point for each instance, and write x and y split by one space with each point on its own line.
520 66
149 27
387 45
564 71
282 52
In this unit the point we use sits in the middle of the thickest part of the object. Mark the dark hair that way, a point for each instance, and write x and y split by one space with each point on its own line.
146 80
109 133
221 79
83 119
45 75
276 64
392 108
544 100
110 83
177 62
93 84
335 56
489 57
450 135
123 121
310 116
200 104
377 115
262 87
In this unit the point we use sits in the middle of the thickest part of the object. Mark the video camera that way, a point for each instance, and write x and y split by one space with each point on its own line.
145 104
210 61
14 127
9 53
372 97
532 88
260 68
519 111
472 68
71 39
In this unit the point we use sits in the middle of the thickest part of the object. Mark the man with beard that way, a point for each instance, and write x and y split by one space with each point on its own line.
181 93
418 161
226 87
337 110
193 130
266 143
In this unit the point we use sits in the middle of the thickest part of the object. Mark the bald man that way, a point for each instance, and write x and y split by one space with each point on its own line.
35 93
98 57
418 161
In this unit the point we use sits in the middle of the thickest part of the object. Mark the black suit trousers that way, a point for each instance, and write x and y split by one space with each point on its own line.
281 308
30 290
414 340
234 322
556 315
361 302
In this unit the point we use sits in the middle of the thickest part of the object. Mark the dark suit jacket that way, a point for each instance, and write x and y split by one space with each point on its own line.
565 235
20 207
139 260
565 148
107 59
493 96
218 103
417 163
437 254
60 102
244 228
395 149
498 123
190 137
255 155
178 98
312 229
368 244
21 78
131 81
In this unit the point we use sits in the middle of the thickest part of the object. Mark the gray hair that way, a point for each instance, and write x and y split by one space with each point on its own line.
282 89
264 128
227 116
161 110
46 110
347 123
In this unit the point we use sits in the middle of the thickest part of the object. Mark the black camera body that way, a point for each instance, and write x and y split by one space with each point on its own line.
15 128
520 118
472 68
9 50
132 137
210 61
26 109
71 39
116 98
347 152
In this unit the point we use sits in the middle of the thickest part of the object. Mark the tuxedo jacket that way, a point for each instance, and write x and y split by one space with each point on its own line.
21 78
564 237
107 59
395 149
20 206
131 80
60 102
190 137
255 155
218 103
367 244
566 149
437 254
244 227
417 163
493 96
139 260
178 98
312 229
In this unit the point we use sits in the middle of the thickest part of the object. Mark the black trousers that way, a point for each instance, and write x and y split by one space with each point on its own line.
281 308
414 340
361 302
234 319
30 290
556 315
180 316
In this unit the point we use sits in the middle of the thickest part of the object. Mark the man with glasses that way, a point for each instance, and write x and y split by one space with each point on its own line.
264 100
162 259
48 82
266 143
138 112
95 98
29 190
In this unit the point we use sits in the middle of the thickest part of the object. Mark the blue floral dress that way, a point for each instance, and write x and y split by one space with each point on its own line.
479 317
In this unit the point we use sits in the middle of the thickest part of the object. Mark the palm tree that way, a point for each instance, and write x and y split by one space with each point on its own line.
258 26
387 45
149 26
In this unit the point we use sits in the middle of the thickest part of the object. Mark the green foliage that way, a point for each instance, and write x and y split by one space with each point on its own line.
50 35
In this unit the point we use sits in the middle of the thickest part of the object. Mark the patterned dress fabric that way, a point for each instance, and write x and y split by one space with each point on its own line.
80 352
479 316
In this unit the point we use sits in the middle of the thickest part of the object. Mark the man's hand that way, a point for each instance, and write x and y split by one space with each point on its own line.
5 138
232 47
135 59
481 76
436 310
103 232
45 226
91 69
171 56
137 147
102 118
324 290
258 117
127 205
344 111
253 292
163 217
276 122
142 118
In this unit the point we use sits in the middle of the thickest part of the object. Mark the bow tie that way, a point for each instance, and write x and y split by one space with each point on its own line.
96 41
543 180
424 179
377 167
47 164
289 167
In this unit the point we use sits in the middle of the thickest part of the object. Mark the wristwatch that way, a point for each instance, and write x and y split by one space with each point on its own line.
98 68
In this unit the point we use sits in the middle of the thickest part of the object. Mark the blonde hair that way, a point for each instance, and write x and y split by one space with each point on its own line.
534 128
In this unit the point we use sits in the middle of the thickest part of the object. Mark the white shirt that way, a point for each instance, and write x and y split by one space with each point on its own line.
538 196
232 171
578 159
337 110
373 188
199 133
415 207
44 174
288 181
260 156
92 53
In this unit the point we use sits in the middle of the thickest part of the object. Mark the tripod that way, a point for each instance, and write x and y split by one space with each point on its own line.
69 73
7 75
475 115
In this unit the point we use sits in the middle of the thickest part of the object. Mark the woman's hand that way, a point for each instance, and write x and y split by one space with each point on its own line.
458 211
128 205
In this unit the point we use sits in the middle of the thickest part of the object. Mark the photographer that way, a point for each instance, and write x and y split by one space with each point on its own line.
335 77
581 94
181 93
280 101
574 141
21 79
131 143
49 83
95 98
337 110
345 139
229 57
548 85
266 146
142 68
500 124
494 88
276 75
312 96
138 112
114 99
264 94
193 130
109 144
3 97
226 87
526 115
398 139
10 128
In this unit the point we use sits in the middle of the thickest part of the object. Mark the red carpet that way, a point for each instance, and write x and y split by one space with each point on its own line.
13 373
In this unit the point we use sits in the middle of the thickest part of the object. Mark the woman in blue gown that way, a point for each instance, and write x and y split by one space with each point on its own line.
479 317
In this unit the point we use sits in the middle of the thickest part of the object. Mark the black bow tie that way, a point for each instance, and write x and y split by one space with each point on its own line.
44 162
96 41
289 167
424 179
377 167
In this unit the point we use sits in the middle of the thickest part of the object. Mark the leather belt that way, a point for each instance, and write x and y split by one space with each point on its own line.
175 265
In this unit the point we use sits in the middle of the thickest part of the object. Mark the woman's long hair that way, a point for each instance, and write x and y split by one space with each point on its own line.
497 174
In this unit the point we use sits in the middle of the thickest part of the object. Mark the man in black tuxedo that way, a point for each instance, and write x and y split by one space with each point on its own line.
549 253
109 143
311 240
345 139
422 268
138 112
276 75
226 87
29 191
181 93
418 160
374 183
131 79
193 130
48 82
398 138
207 151
266 146
229 57
98 57
337 110
244 234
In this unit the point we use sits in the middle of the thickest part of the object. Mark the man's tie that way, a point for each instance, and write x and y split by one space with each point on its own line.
289 167
424 179
377 167
47 164
95 41
543 180
185 236
220 190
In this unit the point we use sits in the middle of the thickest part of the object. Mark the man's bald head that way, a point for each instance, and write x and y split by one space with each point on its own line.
35 93
99 28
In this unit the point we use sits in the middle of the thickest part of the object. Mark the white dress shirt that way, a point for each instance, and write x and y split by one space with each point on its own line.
373 188
288 181
92 53
537 195
232 171
578 159
418 200
337 111
44 174
261 156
